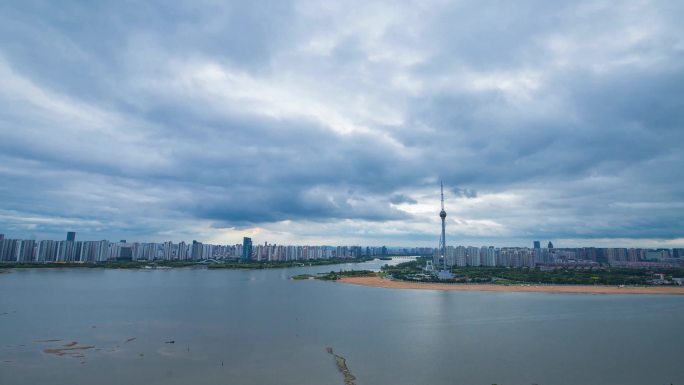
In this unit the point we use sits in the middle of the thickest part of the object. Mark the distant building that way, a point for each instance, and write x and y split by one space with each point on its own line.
2 237
246 248
451 256
472 256
9 250
460 254
197 250
66 251
487 256
91 251
550 245
27 252
126 253
48 251
71 236
537 253
182 251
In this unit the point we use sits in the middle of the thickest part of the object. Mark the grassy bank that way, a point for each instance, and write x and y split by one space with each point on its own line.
283 264
94 265
335 275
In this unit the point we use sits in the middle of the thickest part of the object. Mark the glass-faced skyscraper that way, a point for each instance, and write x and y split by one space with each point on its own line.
71 236
246 248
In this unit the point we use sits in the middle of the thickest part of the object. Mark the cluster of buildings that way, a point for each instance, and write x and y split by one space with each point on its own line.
444 257
70 250
551 257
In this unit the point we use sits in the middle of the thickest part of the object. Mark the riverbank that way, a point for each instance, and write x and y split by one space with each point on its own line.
586 289
157 264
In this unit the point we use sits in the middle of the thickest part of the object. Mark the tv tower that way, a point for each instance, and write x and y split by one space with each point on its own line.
442 239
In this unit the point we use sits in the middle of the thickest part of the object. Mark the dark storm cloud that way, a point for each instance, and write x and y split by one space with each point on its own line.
556 120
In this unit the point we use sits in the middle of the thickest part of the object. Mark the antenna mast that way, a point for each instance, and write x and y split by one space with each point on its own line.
441 189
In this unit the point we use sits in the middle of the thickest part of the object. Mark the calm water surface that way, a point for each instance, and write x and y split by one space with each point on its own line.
260 327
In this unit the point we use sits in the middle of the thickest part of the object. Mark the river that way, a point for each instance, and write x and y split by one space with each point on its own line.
260 327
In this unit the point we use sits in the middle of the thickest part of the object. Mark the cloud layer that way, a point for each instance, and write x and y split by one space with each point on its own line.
320 122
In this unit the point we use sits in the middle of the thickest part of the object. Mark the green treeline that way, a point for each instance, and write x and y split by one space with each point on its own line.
107 264
280 264
128 264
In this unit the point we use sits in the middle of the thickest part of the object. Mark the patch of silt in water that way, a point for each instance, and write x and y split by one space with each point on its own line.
341 363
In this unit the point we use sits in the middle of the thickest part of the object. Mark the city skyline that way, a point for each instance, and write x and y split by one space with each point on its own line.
323 123
439 250
444 257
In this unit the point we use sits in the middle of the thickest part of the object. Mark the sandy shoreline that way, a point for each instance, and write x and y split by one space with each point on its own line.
390 284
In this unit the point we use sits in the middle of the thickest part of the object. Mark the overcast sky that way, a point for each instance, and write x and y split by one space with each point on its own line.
315 122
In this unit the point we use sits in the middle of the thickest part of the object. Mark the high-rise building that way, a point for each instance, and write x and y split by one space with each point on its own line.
460 253
95 251
537 253
197 250
246 248
451 255
9 250
71 236
483 256
182 251
126 253
66 251
27 252
47 251
2 236
490 259
550 245
472 256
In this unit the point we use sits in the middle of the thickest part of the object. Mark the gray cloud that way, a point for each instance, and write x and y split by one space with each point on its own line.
464 192
401 198
553 120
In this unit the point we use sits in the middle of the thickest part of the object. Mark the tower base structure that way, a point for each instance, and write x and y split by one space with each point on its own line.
445 275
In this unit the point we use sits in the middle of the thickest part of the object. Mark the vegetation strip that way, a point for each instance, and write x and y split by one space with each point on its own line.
413 271
169 264
281 264
335 275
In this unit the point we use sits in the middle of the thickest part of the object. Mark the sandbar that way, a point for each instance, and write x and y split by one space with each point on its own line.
586 289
